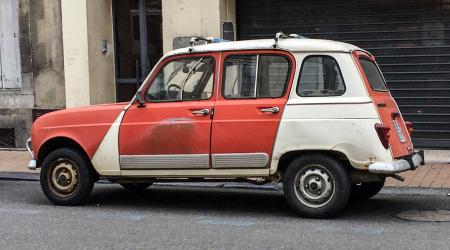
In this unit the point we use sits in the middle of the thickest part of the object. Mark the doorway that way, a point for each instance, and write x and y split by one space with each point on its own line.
138 43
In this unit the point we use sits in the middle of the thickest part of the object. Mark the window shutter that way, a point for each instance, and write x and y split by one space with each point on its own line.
9 45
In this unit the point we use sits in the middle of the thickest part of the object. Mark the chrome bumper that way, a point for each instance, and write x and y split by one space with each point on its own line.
32 163
407 163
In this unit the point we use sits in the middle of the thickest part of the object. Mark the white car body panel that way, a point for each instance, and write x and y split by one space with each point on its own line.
106 159
343 123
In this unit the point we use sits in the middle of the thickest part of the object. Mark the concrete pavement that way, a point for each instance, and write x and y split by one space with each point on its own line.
213 218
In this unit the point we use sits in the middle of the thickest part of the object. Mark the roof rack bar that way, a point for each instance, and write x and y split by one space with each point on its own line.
280 35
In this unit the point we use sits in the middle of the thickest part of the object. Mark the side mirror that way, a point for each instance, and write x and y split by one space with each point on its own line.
140 100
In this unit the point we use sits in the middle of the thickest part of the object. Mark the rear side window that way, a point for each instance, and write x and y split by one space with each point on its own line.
373 75
255 76
320 76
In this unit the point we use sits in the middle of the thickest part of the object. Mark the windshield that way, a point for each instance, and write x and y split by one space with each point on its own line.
373 75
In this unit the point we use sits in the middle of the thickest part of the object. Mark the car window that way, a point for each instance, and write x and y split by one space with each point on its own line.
320 76
183 79
255 76
373 75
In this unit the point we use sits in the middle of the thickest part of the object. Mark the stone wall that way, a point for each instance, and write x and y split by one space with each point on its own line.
42 87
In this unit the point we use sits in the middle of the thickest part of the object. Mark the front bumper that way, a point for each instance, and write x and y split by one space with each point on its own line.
409 162
32 163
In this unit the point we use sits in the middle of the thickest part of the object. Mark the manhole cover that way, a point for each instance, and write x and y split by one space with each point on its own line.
425 215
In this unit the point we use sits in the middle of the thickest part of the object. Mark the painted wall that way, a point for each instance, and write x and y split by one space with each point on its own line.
89 74
187 18
101 67
76 59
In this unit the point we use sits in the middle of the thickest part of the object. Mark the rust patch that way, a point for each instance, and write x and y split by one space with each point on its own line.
172 136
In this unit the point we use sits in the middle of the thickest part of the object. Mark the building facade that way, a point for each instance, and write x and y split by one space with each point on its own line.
67 53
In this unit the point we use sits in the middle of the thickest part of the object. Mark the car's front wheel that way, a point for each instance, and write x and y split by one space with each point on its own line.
66 177
316 186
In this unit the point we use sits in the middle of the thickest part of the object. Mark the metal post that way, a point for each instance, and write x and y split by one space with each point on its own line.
143 36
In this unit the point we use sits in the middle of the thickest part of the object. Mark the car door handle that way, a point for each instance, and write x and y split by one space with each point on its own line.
272 110
200 112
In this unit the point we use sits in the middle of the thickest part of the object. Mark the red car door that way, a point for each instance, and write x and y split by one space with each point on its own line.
254 88
173 129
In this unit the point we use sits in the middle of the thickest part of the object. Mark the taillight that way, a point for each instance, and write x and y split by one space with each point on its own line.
409 126
383 134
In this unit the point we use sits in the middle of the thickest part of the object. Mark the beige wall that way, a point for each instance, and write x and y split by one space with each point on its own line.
89 74
186 18
101 66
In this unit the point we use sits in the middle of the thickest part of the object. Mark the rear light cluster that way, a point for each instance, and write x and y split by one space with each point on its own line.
409 126
383 134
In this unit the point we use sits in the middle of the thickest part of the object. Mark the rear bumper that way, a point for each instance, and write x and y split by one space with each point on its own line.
409 162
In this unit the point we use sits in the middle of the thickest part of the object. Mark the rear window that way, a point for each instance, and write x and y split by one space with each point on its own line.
320 76
373 75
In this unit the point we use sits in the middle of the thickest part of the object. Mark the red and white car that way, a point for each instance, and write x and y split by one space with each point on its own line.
313 114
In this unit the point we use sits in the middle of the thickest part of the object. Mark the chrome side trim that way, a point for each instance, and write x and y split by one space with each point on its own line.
181 161
205 173
240 160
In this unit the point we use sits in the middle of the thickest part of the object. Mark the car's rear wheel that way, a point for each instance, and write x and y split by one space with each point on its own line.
316 186
66 177
366 190
134 187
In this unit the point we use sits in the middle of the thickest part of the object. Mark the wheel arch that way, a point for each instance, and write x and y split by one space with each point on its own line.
287 157
59 142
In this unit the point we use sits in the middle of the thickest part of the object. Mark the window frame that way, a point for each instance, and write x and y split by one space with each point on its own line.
362 57
160 66
268 53
301 70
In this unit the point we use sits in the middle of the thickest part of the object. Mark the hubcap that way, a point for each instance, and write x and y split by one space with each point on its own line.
314 186
64 177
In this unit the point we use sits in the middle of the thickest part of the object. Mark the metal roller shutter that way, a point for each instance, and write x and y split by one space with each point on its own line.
411 40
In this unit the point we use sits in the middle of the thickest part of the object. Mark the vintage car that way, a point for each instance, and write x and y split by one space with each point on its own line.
315 115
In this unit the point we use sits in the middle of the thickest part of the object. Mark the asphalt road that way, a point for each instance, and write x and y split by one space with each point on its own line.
211 218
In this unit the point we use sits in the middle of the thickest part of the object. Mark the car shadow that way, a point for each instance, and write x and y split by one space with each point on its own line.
248 202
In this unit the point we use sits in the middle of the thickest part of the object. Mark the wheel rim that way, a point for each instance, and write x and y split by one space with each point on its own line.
314 186
63 177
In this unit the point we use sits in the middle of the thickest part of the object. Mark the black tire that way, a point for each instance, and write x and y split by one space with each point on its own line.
366 190
136 187
326 181
63 166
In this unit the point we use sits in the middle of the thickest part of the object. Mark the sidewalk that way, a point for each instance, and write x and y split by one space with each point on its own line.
428 176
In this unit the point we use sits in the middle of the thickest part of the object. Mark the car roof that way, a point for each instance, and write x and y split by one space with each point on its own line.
290 44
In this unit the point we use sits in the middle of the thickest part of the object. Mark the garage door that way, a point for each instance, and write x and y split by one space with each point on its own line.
411 40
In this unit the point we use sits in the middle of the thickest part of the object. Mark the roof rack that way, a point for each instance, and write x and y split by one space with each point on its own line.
207 40
281 35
